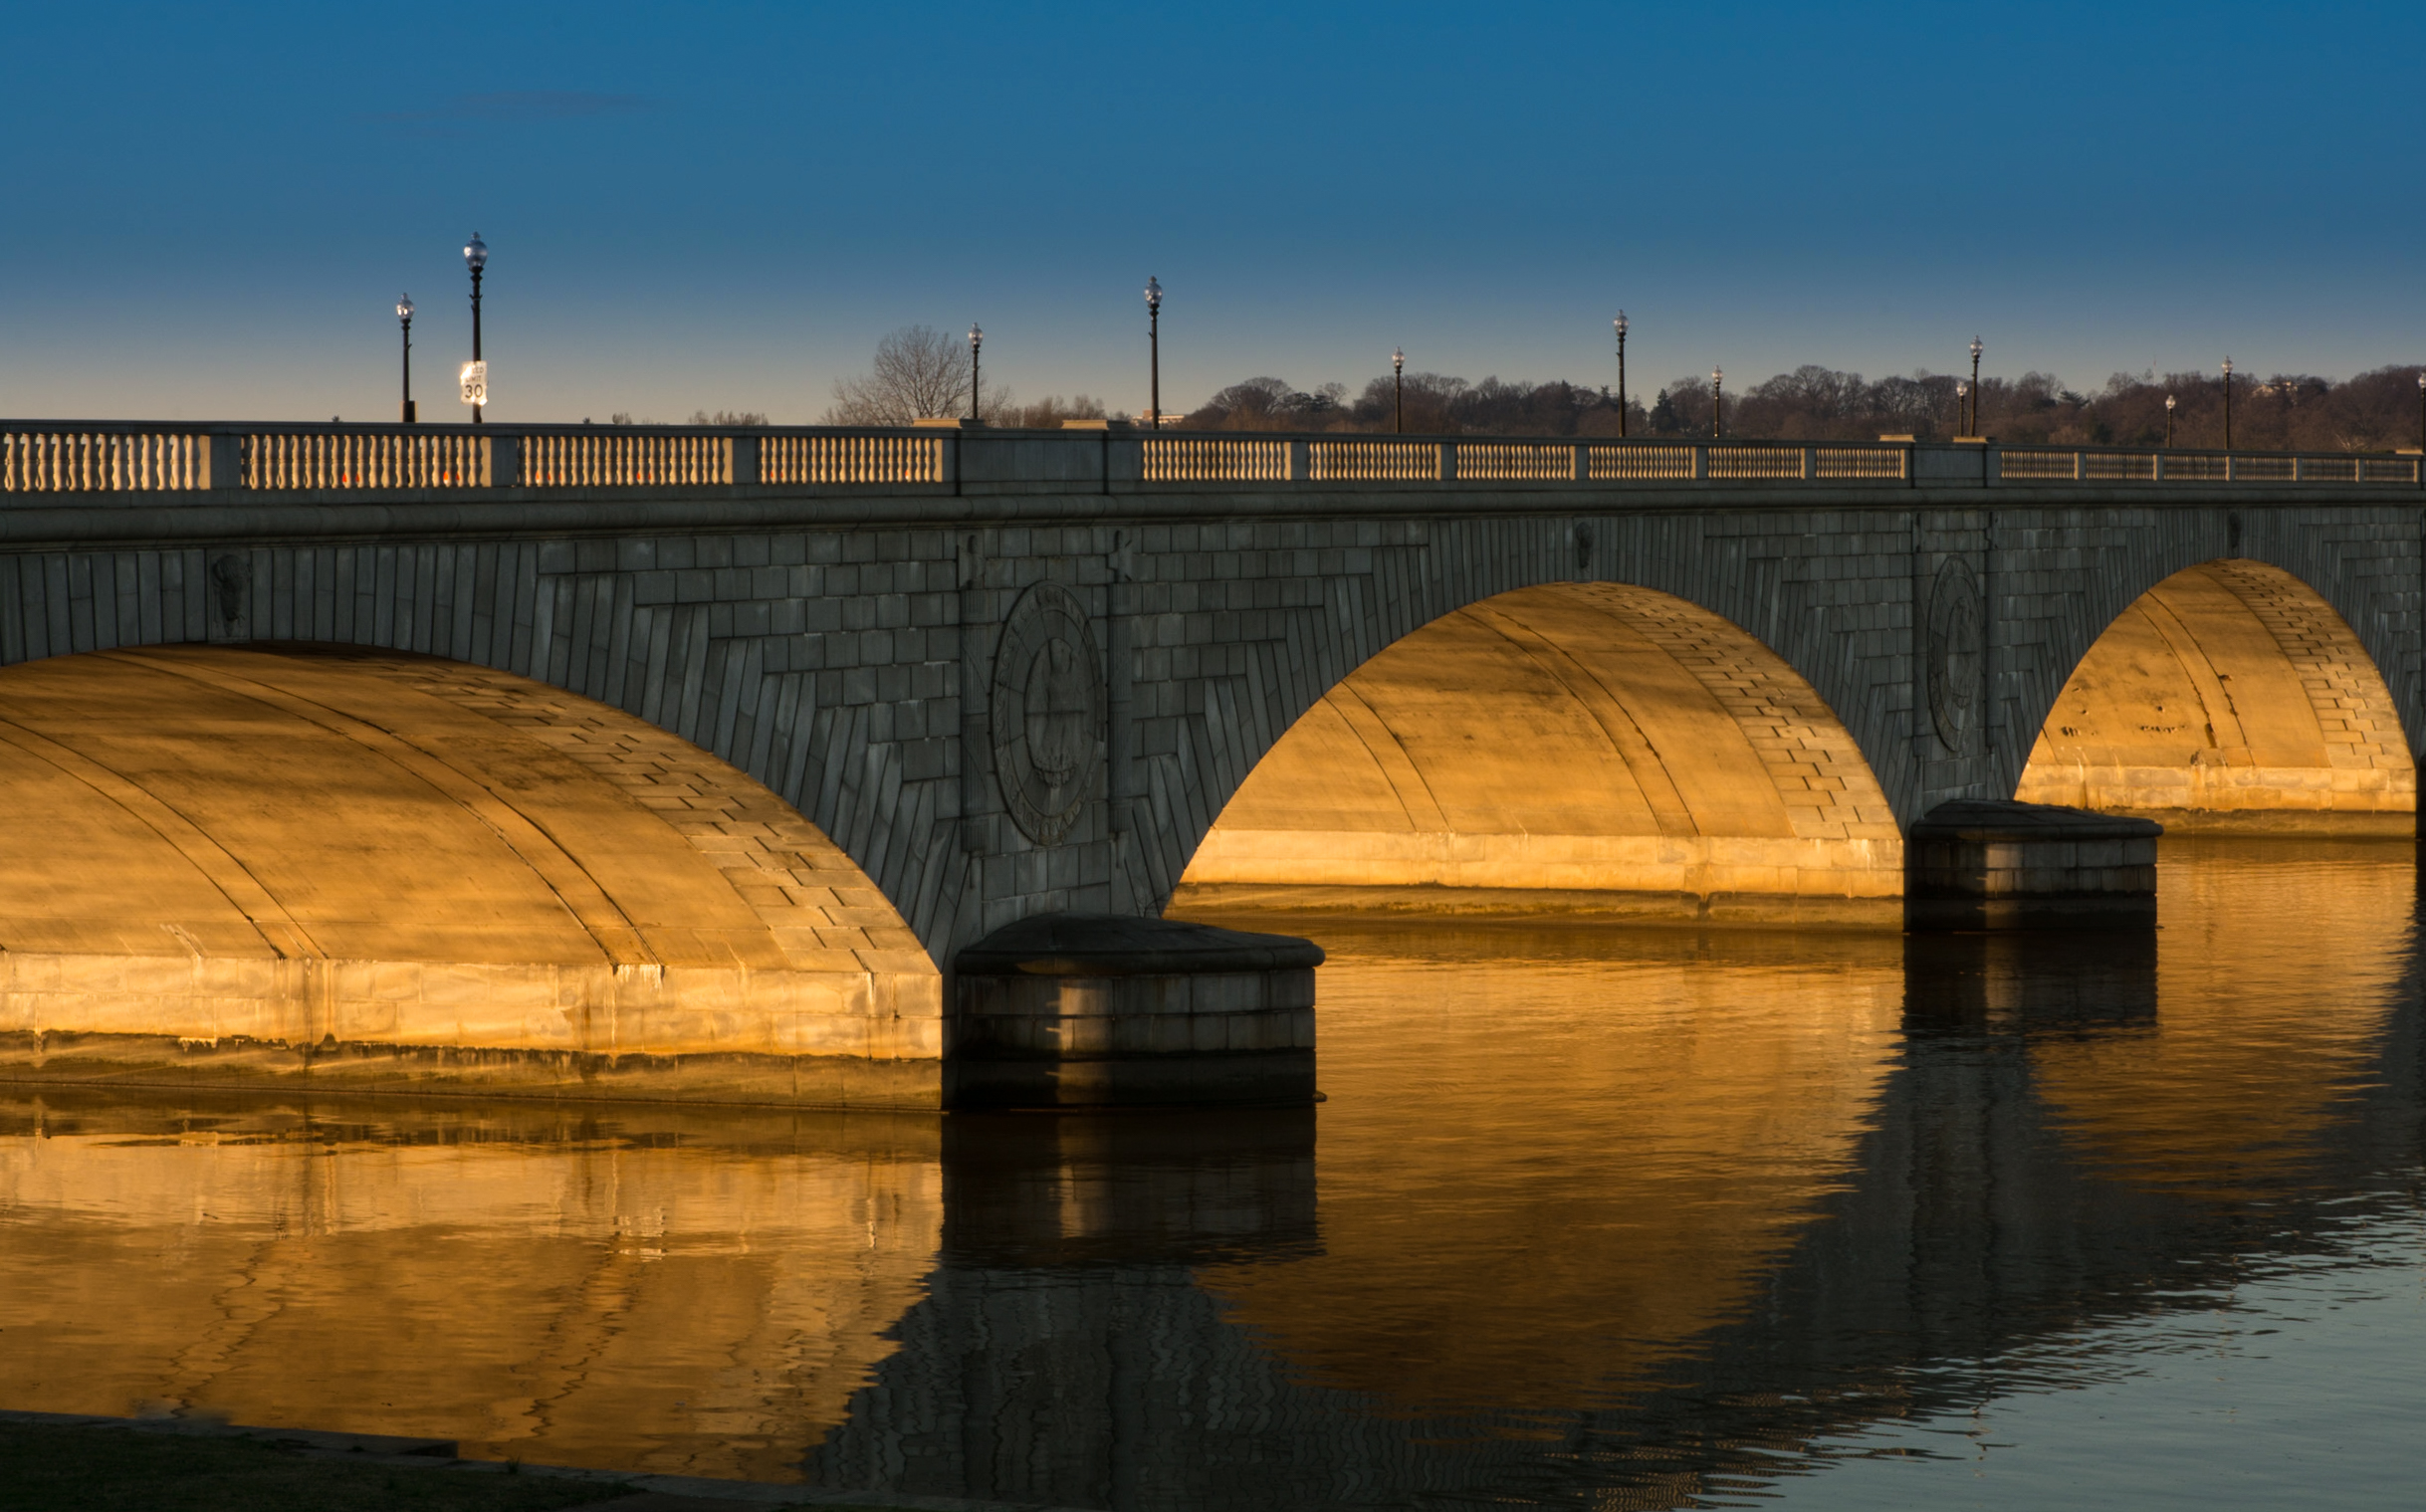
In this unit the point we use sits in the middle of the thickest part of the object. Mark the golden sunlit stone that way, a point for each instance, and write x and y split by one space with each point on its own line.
1576 747
384 870
2229 696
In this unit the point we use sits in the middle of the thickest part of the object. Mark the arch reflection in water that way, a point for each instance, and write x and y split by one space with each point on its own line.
1622 1134
2281 965
647 1290
1645 1210
1627 1216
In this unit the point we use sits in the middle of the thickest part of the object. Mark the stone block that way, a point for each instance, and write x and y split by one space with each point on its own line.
1131 1010
1975 864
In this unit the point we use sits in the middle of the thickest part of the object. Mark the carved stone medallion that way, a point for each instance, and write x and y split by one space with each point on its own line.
1048 712
1952 652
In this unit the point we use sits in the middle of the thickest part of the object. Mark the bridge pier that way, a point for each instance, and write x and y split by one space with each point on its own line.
1984 864
1086 1011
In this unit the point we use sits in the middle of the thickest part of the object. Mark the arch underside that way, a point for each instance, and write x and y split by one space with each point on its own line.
2230 695
1593 748
238 863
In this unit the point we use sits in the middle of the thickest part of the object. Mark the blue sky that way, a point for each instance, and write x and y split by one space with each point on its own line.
211 209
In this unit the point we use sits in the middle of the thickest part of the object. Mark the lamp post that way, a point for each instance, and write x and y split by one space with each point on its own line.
1620 323
976 339
1974 428
1962 405
2170 401
1718 414
476 258
2422 410
1398 387
2228 404
1154 349
404 316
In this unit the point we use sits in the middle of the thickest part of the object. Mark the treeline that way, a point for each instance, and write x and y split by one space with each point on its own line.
1436 404
2374 411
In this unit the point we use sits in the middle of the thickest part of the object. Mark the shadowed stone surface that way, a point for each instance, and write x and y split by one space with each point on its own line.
1981 864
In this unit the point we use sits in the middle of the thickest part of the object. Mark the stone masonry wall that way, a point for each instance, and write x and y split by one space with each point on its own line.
845 665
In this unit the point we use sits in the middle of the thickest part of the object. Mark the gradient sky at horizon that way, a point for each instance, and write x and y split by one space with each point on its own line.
213 209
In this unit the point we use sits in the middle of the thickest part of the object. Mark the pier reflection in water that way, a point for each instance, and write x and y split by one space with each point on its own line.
1602 1217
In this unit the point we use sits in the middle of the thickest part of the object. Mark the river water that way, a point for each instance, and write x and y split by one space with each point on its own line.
1591 1218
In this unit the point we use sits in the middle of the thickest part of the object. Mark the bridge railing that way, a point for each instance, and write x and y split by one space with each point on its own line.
2034 464
318 461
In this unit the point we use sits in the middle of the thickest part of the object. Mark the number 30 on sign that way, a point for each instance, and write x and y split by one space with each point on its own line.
476 383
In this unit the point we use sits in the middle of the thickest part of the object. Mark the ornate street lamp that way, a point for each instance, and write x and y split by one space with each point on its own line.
1962 405
2228 404
1154 348
1398 384
404 315
1718 414
976 339
1620 323
2170 401
476 258
1975 388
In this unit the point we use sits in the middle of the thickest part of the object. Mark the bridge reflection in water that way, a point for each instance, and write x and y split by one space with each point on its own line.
1586 1208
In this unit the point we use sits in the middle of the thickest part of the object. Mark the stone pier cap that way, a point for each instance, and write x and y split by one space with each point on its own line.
1986 819
1113 945
1991 864
1080 1011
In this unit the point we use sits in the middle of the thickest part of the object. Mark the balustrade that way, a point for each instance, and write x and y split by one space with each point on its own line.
622 457
1861 462
1375 460
45 461
1515 461
2118 467
844 458
135 458
397 459
1640 463
1739 463
1207 459
2195 468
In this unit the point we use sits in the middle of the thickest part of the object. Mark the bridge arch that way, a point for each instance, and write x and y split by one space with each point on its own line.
380 868
1591 747
2229 695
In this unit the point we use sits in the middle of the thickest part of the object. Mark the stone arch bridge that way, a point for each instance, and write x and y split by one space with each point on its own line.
560 756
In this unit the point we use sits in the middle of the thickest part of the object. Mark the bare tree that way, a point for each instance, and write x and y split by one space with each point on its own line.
919 373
